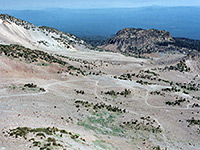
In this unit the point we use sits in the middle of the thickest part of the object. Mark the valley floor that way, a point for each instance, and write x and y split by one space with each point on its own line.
117 104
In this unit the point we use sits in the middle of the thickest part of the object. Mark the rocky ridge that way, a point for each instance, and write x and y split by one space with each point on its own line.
17 31
140 41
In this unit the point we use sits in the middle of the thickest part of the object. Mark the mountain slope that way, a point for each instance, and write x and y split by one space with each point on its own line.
16 31
139 41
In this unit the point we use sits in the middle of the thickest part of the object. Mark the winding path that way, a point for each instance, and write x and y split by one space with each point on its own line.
131 85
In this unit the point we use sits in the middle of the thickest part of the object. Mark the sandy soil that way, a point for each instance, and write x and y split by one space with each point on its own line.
56 107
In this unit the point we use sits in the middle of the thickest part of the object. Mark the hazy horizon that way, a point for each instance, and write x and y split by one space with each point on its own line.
61 8
43 4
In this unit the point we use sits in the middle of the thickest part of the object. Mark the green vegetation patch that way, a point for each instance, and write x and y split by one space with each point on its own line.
46 137
124 93
194 122
103 123
27 87
181 67
99 106
30 56
144 124
103 144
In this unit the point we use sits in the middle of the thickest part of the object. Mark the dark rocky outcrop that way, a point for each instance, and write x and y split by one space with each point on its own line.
140 41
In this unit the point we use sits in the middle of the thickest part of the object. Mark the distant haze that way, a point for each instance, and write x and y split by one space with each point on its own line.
179 21
43 4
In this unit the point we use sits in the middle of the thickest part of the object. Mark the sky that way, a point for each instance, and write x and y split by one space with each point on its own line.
43 4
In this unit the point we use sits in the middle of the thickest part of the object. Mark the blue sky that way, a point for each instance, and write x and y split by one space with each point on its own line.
41 4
